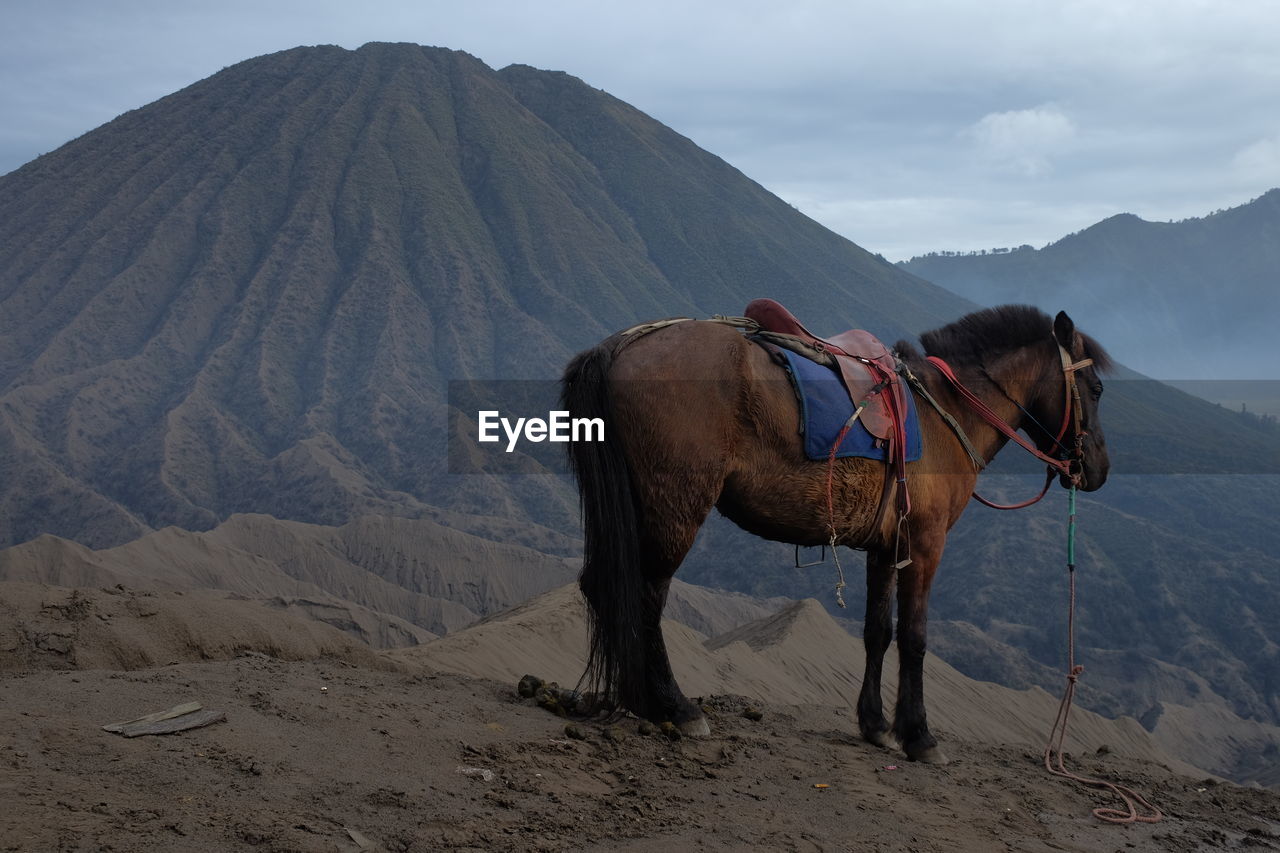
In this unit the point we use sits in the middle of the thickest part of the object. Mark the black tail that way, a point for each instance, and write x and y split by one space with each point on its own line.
612 581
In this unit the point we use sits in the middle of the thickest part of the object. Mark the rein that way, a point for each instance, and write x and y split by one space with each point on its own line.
1071 415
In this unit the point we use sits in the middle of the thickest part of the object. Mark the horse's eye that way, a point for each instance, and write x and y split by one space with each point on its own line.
1096 389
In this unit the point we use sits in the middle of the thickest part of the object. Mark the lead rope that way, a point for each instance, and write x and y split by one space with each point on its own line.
1053 754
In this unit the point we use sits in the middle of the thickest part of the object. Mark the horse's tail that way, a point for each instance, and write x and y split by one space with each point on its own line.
612 581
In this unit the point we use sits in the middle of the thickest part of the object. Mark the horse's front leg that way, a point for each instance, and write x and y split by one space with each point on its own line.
877 633
910 724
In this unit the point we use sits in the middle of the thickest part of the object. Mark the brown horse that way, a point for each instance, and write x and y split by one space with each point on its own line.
699 416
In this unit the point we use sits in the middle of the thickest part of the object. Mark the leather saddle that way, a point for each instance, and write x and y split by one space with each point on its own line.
866 366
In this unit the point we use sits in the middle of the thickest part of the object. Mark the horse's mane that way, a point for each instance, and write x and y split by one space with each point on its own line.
982 335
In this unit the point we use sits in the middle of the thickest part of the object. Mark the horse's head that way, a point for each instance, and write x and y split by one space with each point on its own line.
1069 394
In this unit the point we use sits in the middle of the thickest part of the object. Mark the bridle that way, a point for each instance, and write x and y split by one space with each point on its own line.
1069 463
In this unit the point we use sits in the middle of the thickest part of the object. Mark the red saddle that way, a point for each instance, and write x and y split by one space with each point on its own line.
863 361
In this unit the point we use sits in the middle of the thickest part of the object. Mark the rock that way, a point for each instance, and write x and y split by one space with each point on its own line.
548 700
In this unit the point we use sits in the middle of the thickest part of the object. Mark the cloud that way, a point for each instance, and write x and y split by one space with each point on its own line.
1022 141
1260 162
902 124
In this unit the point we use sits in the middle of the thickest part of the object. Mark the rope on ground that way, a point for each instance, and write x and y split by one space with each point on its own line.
1134 802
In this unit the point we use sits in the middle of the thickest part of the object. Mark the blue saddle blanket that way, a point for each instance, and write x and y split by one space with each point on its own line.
825 407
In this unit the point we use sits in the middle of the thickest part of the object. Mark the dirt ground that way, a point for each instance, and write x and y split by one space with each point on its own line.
325 756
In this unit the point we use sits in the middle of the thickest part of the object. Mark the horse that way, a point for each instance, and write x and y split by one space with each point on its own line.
699 416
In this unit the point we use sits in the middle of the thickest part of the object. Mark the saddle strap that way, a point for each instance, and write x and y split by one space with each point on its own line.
916 385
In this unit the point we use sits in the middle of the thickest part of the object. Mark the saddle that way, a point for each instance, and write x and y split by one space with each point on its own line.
869 372
862 361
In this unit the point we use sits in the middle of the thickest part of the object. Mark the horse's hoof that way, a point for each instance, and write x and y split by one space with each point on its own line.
928 755
697 727
881 739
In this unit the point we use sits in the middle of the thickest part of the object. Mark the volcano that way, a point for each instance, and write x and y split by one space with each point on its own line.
250 296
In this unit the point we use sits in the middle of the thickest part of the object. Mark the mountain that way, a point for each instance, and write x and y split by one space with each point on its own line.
1184 566
265 295
250 296
260 294
1195 299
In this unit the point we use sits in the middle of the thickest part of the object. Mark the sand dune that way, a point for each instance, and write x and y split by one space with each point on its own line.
390 582
397 583
46 627
797 656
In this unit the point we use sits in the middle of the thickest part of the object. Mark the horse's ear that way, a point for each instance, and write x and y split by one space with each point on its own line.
1064 331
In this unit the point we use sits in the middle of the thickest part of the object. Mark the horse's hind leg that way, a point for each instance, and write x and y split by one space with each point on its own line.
877 634
676 494
666 701
645 492
667 543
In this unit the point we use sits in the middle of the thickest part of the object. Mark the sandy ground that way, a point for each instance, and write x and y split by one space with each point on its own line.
327 756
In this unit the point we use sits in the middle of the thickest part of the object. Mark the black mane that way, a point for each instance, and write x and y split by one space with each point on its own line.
977 337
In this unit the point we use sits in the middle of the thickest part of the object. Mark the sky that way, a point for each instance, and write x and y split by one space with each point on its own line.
907 127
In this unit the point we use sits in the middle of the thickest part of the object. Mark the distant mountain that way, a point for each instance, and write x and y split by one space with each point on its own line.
249 296
1196 299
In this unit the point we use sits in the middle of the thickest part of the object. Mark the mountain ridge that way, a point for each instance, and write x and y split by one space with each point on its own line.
1179 300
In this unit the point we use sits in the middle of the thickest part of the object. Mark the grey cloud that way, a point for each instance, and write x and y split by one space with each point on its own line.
870 119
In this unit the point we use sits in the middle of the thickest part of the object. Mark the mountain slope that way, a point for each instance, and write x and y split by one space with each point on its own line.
249 296
1194 299
316 755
